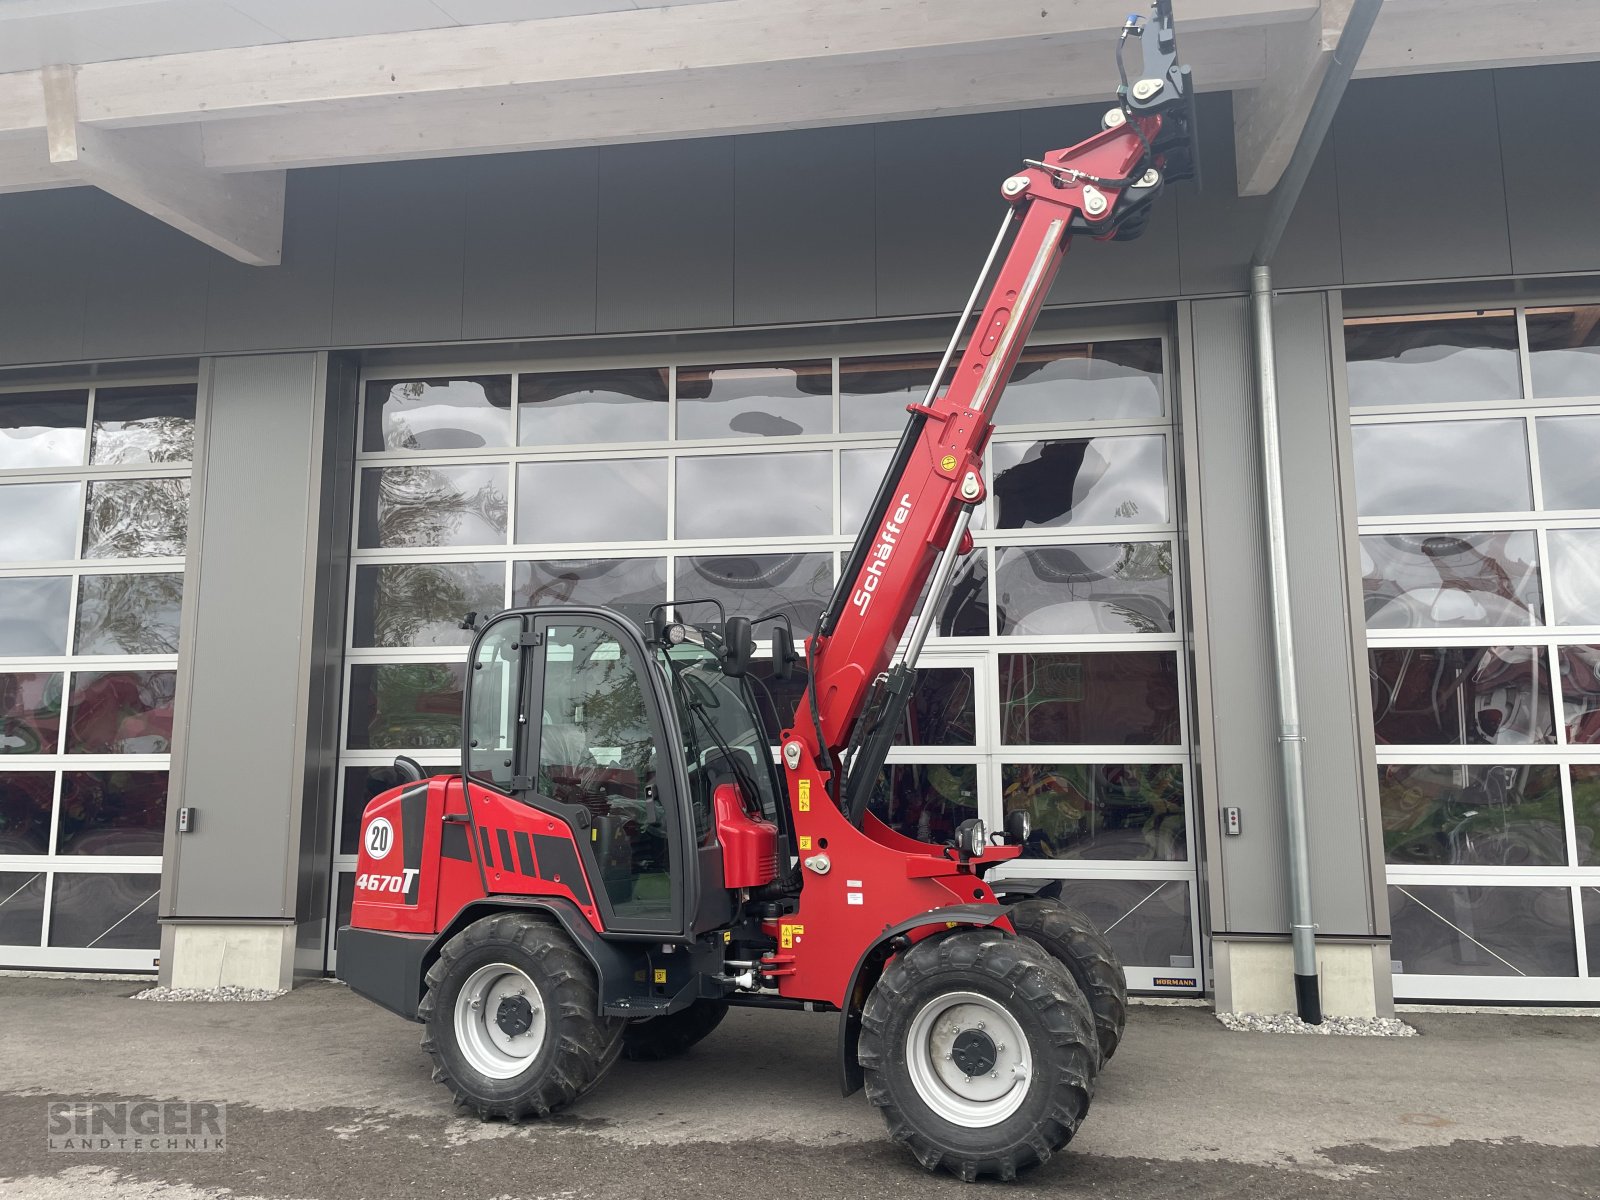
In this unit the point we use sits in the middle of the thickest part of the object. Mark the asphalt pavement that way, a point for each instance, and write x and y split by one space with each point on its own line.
329 1098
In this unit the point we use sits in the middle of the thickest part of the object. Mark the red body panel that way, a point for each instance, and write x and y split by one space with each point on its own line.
749 846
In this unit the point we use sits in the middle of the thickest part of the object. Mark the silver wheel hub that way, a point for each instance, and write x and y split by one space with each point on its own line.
500 1021
969 1059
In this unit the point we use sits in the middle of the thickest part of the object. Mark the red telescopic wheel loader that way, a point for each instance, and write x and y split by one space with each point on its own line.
622 856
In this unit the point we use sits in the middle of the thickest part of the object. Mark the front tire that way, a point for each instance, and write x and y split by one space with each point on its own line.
657 1038
981 1052
512 1019
1067 934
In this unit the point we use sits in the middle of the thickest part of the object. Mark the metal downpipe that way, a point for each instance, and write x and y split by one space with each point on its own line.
1308 998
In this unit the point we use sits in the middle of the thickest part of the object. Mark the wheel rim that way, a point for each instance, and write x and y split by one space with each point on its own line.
500 1021
950 1039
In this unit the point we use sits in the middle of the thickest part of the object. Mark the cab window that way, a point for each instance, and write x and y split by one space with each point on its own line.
496 702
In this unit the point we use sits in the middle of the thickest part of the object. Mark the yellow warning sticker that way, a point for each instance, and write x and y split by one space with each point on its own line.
661 975
805 843
727 935
948 462
805 795
787 935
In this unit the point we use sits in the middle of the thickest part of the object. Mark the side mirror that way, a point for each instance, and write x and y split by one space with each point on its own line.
784 655
739 646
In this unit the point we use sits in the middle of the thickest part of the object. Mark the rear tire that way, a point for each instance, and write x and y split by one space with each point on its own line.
512 1019
981 1052
1066 933
657 1038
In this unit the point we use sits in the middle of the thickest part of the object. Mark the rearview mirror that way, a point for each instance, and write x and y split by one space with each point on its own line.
784 655
739 646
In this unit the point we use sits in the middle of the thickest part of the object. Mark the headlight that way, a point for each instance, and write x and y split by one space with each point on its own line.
971 837
1018 826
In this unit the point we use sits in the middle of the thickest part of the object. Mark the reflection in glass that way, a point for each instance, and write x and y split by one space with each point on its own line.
121 712
433 506
1099 810
874 392
1108 587
1145 920
148 424
33 615
361 785
128 614
1579 667
112 812
1586 812
21 906
755 400
405 706
752 585
494 705
1575 576
26 798
30 712
1461 696
1477 815
1568 450
569 408
776 699
630 586
438 414
1446 359
1564 351
1080 481
754 495
136 518
1441 467
859 474
423 604
343 904
593 500
926 801
1591 924
110 912
42 429
941 712
1447 580
1089 382
966 603
1123 698
1482 930
38 521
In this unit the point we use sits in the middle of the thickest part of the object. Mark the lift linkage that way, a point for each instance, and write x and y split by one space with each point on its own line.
917 527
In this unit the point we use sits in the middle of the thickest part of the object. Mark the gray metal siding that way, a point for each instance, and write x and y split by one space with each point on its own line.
1550 146
145 287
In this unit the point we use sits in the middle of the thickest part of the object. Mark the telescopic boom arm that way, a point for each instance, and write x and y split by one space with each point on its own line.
917 527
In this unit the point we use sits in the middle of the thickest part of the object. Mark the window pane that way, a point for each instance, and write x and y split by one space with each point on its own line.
1461 696
1564 351
30 713
38 521
136 518
112 812
1575 576
1094 381
1089 699
624 500
438 414
777 700
1080 481
406 706
1432 360
755 495
752 585
569 408
755 401
1568 450
1482 930
121 712
495 704
1145 920
347 894
110 912
874 392
966 604
151 424
1591 925
926 801
1442 467
1579 667
33 616
42 429
630 586
21 907
363 784
1099 810
26 798
859 474
1472 815
1586 812
433 506
423 604
941 711
129 614
1450 580
1115 587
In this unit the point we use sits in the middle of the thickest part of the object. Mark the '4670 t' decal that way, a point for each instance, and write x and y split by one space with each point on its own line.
372 882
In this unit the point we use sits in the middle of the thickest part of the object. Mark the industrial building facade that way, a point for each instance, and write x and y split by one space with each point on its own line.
243 510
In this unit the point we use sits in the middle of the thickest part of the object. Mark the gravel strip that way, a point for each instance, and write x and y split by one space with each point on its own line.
216 995
1330 1027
